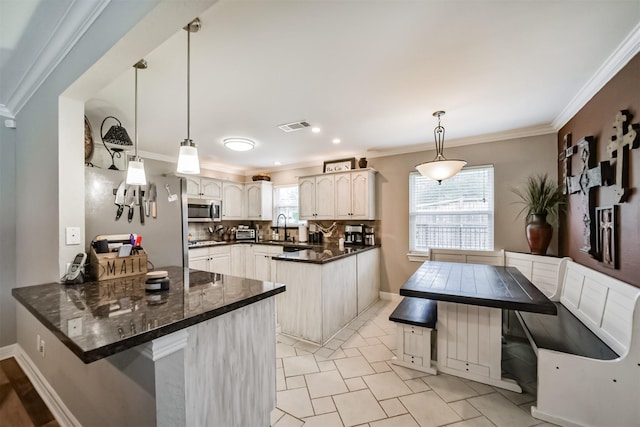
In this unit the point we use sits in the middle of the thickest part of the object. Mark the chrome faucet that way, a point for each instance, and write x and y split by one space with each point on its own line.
286 236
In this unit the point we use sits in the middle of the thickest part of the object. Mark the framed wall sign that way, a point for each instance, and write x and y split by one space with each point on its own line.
339 165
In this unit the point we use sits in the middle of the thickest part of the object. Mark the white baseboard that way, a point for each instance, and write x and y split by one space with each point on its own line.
390 296
62 414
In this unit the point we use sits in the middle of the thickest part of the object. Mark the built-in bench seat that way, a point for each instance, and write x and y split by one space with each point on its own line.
564 333
416 319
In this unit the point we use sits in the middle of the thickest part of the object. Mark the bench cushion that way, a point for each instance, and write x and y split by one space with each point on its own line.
417 312
565 333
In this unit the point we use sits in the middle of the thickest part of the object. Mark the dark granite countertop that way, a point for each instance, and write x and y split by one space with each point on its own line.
323 254
98 319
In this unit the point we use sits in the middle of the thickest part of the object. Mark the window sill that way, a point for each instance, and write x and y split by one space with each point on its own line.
418 256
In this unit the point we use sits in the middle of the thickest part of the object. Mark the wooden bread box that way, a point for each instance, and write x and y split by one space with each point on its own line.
110 266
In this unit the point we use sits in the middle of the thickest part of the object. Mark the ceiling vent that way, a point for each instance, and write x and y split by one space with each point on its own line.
291 127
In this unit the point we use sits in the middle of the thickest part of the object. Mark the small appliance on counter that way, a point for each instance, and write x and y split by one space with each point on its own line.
369 236
157 281
246 234
354 234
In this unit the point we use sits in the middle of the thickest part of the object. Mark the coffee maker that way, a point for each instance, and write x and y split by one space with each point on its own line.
354 234
369 236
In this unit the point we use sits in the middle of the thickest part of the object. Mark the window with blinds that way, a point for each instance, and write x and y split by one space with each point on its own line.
457 214
285 201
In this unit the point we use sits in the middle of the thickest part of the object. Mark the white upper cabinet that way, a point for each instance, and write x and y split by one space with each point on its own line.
345 195
233 201
315 195
259 201
204 188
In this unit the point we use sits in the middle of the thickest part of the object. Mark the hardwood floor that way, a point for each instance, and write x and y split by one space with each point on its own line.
20 404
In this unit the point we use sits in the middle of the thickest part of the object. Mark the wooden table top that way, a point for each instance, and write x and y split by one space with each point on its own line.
477 284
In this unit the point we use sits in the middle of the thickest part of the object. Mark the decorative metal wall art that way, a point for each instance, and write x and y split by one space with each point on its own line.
607 236
625 139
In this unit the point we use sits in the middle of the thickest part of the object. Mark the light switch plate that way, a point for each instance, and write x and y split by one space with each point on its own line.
73 235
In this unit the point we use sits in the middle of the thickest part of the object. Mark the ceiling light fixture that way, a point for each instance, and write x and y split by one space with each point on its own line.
336 141
277 163
135 168
239 144
440 168
315 130
188 162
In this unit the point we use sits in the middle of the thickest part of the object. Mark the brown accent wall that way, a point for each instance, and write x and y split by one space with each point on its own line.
596 119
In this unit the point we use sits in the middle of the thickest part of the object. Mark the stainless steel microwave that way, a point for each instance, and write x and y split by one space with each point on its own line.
204 210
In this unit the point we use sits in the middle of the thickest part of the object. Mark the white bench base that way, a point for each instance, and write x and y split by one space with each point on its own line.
414 348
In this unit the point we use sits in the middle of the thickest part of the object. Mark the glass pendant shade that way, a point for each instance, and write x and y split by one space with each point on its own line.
135 172
188 161
440 169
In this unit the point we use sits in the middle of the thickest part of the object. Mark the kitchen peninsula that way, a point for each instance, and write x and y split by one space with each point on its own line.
200 353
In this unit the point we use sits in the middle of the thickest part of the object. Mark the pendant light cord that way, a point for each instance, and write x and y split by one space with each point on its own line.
135 120
189 85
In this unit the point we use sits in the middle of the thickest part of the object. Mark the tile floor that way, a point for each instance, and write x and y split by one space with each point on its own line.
351 382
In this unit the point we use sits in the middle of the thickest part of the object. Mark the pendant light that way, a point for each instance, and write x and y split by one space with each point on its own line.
440 168
135 168
188 162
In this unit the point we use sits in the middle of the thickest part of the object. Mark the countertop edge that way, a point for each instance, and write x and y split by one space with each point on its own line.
360 250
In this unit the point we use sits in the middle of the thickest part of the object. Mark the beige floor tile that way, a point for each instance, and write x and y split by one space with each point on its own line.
300 365
328 365
276 414
354 384
417 385
300 352
296 382
288 421
501 411
391 341
286 340
480 388
407 373
373 341
353 341
352 352
338 354
401 421
376 353
393 407
295 402
380 367
325 384
311 348
517 398
345 334
353 367
358 407
334 344
323 405
449 388
429 410
323 352
464 409
371 330
325 420
279 363
284 350
386 385
281 383
475 422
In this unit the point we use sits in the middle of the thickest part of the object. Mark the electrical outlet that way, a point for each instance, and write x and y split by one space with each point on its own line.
42 347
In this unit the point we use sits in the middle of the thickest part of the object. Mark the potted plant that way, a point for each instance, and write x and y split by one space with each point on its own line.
542 199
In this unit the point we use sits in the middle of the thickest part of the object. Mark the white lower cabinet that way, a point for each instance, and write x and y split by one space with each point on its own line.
238 255
368 265
259 262
213 259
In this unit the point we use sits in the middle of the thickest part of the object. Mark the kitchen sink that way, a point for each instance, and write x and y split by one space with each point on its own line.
196 243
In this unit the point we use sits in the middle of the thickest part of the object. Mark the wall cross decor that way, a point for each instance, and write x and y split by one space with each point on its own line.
625 139
589 178
565 157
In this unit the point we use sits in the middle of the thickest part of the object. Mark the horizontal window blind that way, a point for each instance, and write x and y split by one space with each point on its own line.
457 214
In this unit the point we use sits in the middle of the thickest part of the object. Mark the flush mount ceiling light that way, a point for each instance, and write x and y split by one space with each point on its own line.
315 130
336 141
188 162
440 168
135 169
239 144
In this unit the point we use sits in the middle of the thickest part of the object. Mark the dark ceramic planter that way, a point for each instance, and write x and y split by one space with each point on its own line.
539 233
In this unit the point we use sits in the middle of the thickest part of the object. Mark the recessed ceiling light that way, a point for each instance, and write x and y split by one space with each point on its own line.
315 130
277 163
239 144
336 141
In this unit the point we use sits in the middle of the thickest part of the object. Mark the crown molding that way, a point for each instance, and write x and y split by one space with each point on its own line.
629 48
5 112
79 16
